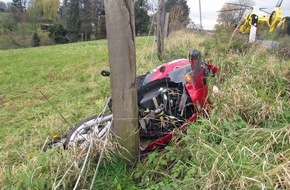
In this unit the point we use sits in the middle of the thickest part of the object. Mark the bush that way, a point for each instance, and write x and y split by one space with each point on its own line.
226 40
58 34
45 40
7 23
35 40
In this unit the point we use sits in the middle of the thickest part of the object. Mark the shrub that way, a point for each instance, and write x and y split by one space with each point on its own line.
35 40
45 40
58 34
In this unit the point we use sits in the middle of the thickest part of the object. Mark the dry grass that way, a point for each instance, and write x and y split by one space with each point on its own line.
243 145
254 87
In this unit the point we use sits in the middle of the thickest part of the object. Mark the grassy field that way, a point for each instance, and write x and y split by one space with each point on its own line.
243 145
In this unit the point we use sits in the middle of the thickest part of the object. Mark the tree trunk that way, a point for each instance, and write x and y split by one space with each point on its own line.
120 26
160 28
166 32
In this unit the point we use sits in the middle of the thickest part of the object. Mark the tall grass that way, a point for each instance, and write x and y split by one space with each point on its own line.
244 144
220 156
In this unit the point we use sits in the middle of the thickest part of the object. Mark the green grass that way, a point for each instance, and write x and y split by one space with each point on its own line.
69 77
245 142
27 72
243 145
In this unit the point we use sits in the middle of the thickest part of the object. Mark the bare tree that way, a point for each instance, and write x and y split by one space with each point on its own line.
3 6
18 10
232 13
176 13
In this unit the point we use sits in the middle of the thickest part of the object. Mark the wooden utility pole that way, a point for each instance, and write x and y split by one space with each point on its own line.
166 25
200 17
160 28
120 25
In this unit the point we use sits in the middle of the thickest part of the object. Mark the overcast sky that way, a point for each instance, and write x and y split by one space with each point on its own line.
209 9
